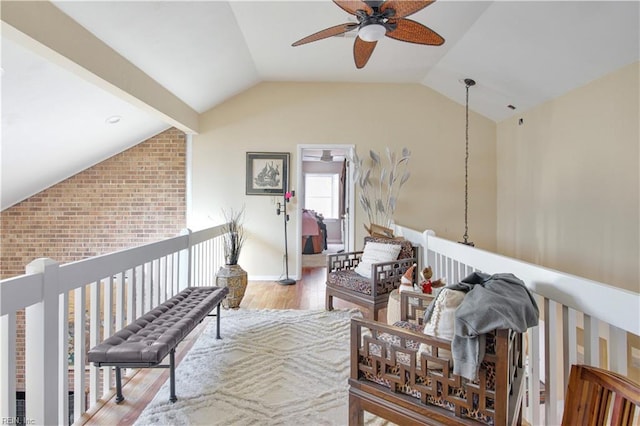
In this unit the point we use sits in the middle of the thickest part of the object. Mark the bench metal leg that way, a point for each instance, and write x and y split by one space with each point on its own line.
119 397
218 323
172 376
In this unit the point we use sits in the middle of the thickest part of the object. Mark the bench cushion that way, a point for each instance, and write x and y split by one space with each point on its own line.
350 280
149 339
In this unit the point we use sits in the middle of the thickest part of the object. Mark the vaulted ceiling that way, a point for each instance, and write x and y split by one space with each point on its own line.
68 66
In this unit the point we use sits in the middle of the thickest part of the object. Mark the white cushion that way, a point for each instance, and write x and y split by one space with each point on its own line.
442 321
376 253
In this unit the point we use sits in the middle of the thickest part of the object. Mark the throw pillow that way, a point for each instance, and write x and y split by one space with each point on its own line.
441 324
376 253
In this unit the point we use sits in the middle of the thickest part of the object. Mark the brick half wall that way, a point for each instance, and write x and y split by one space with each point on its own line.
133 198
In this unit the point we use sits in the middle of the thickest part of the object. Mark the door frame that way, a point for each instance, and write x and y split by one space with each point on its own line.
350 201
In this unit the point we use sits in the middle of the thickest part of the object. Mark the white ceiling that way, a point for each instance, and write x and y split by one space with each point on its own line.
53 111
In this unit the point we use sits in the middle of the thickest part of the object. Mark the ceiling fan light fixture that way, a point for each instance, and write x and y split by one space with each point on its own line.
372 32
326 156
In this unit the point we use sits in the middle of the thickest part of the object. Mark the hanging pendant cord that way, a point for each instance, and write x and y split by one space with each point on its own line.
468 83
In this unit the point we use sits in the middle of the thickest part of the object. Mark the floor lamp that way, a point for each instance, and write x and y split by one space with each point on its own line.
282 208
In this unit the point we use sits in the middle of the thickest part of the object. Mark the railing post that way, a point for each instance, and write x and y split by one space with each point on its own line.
108 307
553 378
79 351
185 263
618 357
41 347
569 343
591 341
428 257
533 373
8 366
63 361
94 337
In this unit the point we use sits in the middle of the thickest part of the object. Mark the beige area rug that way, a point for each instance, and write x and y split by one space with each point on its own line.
272 367
318 260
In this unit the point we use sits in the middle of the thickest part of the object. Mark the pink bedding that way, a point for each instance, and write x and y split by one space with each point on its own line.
309 224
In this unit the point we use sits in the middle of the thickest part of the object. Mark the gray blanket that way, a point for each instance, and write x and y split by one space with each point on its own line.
499 301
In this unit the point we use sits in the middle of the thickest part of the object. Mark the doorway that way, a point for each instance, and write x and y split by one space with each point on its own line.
325 188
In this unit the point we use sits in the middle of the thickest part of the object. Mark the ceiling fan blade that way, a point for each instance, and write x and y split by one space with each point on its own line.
414 32
362 51
350 6
327 32
404 8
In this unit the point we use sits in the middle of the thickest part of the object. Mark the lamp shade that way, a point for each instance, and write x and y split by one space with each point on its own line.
372 32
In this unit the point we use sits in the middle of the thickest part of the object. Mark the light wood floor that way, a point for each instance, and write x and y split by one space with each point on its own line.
307 293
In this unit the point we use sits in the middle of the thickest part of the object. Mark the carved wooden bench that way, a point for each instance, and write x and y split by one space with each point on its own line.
372 293
391 379
149 339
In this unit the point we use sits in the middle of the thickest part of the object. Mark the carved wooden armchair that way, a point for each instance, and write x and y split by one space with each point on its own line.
392 378
596 396
344 281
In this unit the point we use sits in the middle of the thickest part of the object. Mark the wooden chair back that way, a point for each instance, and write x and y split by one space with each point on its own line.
600 397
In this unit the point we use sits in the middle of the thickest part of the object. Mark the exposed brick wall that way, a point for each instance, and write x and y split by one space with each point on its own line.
132 198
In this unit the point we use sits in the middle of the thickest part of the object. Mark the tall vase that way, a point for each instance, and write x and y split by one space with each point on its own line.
235 278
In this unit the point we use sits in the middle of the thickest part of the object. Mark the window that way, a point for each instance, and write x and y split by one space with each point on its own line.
322 193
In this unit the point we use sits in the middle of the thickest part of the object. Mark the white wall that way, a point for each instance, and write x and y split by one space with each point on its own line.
279 116
564 187
569 182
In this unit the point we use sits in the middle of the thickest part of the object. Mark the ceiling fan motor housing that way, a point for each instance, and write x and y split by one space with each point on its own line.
377 19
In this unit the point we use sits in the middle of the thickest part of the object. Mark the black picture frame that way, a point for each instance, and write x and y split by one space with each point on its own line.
267 173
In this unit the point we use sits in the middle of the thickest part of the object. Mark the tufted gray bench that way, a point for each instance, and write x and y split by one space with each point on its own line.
149 339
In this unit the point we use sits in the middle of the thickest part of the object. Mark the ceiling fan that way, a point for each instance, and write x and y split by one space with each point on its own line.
326 157
375 20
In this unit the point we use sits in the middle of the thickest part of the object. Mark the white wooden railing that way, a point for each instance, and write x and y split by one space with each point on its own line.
570 307
94 297
64 305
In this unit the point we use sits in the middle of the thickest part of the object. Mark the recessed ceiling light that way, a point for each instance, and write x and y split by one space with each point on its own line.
113 119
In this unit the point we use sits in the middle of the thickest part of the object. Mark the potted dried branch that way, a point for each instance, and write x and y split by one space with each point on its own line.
380 183
231 274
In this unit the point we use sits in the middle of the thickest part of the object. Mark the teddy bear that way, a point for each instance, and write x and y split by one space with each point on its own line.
427 285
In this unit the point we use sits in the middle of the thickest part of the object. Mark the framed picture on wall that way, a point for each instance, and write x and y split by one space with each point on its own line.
267 173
